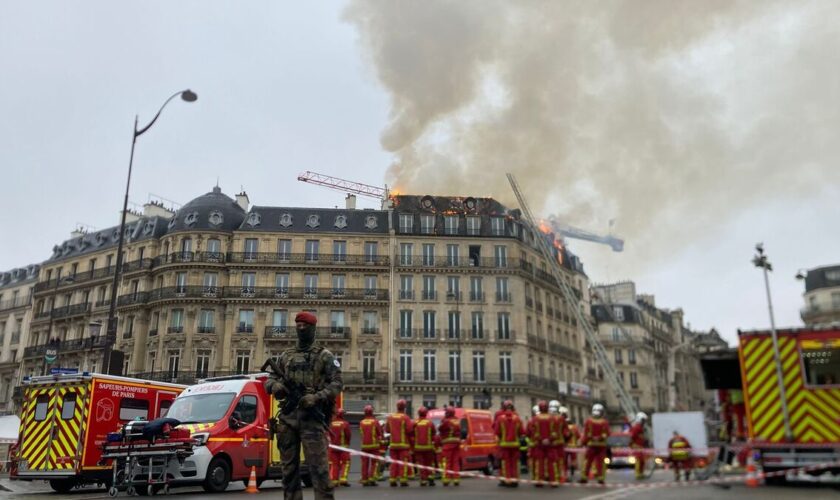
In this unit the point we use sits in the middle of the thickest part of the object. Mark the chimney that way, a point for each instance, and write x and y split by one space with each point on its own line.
242 200
156 209
131 216
350 202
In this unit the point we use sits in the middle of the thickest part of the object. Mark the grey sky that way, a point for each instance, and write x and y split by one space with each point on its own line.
286 87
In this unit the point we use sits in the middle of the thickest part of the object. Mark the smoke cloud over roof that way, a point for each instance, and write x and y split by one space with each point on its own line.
666 115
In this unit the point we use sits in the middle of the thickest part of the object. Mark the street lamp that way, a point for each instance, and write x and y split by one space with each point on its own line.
455 295
760 260
188 96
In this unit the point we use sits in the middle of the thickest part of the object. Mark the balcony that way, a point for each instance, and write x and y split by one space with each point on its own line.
417 334
429 295
539 306
563 351
477 296
175 329
322 333
536 342
71 311
78 278
370 330
137 265
283 259
153 332
542 383
181 377
504 297
506 336
187 257
69 346
455 262
127 334
306 293
206 329
454 296
245 328
366 379
824 313
469 379
406 295
529 302
15 303
132 299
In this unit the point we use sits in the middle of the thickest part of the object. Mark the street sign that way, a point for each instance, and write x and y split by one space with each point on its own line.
63 371
50 355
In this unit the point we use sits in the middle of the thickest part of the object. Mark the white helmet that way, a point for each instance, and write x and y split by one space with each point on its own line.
598 409
641 416
563 411
535 410
554 406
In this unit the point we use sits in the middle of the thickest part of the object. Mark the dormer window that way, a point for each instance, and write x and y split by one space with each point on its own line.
427 224
406 223
450 223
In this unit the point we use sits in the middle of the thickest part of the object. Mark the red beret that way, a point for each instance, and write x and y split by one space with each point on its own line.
305 317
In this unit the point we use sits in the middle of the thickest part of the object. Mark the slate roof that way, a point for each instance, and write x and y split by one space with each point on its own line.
146 228
821 277
315 220
213 211
17 276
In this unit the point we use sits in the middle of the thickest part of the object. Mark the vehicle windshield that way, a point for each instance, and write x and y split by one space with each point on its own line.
622 441
201 408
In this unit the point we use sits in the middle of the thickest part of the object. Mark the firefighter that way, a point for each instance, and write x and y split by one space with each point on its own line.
554 407
596 430
571 436
401 429
370 432
535 410
339 460
508 429
558 447
679 453
450 439
542 430
424 445
638 441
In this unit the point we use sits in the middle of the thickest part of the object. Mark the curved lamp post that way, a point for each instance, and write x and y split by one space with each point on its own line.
111 332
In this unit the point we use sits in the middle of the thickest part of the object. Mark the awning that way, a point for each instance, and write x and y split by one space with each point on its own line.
9 429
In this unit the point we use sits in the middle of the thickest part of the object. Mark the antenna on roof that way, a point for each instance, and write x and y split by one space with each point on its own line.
217 181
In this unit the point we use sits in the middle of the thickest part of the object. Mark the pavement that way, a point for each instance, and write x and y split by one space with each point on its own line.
620 486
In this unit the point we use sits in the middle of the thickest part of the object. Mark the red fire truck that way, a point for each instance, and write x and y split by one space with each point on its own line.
66 416
479 445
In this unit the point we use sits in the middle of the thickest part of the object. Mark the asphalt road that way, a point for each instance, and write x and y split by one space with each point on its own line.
620 486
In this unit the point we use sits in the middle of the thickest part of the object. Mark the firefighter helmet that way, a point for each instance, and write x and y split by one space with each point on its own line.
508 405
421 412
598 409
450 411
542 406
368 410
554 406
641 417
563 411
401 404
535 409
339 413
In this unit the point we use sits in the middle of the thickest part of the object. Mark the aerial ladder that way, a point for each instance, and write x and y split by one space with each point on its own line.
577 233
627 404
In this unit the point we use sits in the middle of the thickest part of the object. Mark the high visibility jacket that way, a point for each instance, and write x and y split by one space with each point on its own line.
340 432
424 435
450 431
542 426
562 430
371 433
595 432
680 448
508 429
572 435
498 414
401 429
637 436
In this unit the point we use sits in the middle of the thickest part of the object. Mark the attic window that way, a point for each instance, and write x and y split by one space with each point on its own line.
406 223
451 224
473 225
427 224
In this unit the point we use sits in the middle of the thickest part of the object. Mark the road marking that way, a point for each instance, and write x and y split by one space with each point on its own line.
612 494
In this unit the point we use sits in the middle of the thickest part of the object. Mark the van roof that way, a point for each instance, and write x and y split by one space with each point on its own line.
66 378
223 384
459 412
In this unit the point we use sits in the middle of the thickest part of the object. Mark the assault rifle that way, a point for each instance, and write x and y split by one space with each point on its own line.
294 392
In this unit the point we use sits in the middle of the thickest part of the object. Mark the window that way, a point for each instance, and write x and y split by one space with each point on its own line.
202 362
186 248
68 406
371 252
634 380
164 408
281 284
618 313
338 281
336 321
243 361
247 409
452 256
478 366
618 360
150 360
477 328
176 321
42 403
500 255
405 365
822 365
453 288
370 322
206 321
429 365
210 282
310 285
214 250
428 254
339 251
249 282
497 226
405 323
429 292
505 374
616 334
427 224
631 356
251 246
280 319
476 289
450 224
502 291
284 250
180 282
174 362
134 409
128 331
368 364
406 223
473 225
312 250
246 321
430 401
454 366
454 324
406 286
406 252
429 324
503 325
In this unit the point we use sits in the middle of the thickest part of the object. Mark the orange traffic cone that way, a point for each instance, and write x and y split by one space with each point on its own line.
752 475
252 482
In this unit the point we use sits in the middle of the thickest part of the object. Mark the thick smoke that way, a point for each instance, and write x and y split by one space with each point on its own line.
669 116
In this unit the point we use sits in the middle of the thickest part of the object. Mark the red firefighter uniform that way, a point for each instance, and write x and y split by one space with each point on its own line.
680 455
572 441
371 437
542 431
596 430
450 439
508 429
401 429
424 446
339 460
638 441
558 448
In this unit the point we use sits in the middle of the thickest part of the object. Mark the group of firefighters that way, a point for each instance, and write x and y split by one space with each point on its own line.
544 438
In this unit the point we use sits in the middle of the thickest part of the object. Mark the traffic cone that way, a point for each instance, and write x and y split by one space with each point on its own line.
752 476
252 482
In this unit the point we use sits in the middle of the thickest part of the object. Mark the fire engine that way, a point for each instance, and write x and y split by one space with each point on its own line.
479 444
66 416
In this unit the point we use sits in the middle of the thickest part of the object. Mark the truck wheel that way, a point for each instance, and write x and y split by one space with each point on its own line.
62 485
218 476
490 468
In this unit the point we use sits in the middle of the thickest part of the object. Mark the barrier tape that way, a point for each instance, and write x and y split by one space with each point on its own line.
633 485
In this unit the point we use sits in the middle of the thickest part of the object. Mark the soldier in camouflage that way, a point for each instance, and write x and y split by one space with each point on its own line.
314 371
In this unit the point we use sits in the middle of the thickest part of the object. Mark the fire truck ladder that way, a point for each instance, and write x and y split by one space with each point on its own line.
627 404
344 185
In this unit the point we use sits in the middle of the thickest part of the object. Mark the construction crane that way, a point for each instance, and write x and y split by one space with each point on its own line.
627 404
344 185
567 231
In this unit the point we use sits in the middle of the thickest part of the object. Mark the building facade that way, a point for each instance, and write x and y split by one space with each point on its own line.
822 296
16 287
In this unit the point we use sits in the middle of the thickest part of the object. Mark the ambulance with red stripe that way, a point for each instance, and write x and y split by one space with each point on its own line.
479 444
65 417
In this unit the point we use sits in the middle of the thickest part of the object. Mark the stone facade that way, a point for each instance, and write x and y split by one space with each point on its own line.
16 288
822 296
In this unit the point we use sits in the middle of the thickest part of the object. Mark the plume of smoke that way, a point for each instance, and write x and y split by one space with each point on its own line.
667 115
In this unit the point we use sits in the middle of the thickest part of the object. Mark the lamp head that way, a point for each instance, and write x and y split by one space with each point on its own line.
189 96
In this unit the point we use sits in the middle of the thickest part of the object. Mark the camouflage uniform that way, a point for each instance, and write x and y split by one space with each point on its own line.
320 373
